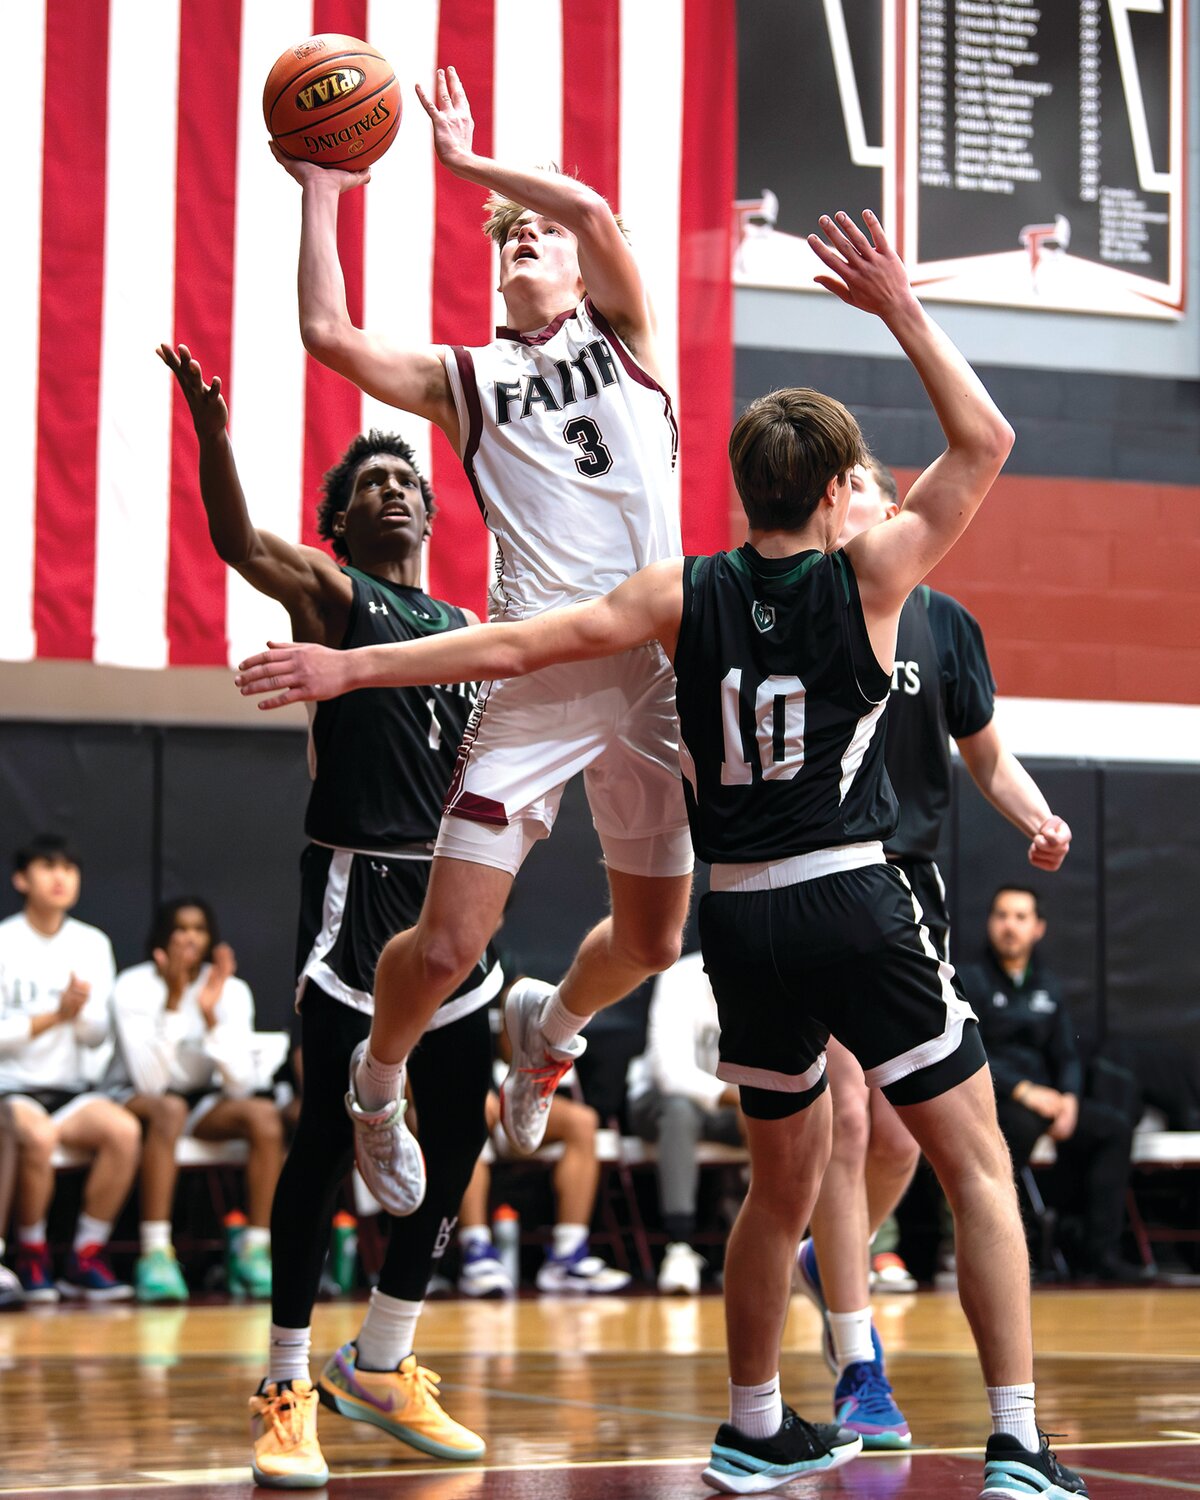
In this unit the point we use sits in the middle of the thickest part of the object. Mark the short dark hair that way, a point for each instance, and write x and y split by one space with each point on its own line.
784 450
165 918
1019 890
337 487
884 478
45 846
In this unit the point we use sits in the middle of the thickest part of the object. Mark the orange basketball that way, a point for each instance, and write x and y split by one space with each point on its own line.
332 100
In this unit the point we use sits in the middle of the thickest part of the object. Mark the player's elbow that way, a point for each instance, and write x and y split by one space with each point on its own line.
325 339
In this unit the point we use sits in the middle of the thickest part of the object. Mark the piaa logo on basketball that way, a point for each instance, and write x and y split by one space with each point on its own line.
327 88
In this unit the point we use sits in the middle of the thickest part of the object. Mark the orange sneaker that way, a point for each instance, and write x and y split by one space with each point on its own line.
403 1401
283 1430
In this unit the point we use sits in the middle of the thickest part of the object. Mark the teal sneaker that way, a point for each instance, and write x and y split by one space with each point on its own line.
250 1272
157 1277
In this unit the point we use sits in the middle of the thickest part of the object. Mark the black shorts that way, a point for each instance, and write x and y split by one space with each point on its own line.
350 905
929 889
844 955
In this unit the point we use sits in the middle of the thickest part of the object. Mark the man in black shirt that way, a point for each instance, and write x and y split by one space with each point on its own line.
1038 1076
941 688
783 653
381 762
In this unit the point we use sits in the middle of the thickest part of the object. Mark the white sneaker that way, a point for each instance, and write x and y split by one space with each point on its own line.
482 1273
890 1274
679 1273
536 1069
385 1149
580 1272
12 1293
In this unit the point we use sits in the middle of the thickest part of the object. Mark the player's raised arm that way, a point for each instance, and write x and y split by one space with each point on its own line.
411 379
644 608
304 580
890 560
607 264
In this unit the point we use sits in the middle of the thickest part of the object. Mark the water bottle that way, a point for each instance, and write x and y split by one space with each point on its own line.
343 1251
234 1225
506 1237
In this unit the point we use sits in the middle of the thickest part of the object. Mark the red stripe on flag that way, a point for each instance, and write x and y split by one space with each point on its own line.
705 261
462 304
592 95
332 405
69 334
206 189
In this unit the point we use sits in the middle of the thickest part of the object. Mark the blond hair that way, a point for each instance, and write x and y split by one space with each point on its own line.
784 450
503 213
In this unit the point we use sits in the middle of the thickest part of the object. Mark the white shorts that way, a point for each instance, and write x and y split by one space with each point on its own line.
615 721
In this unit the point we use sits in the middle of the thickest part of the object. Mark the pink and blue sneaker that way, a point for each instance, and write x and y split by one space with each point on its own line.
863 1402
90 1277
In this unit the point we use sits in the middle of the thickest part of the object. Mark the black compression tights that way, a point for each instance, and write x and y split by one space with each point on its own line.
450 1073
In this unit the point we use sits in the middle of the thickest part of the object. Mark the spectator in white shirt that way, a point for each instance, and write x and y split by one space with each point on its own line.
55 978
675 1098
187 1049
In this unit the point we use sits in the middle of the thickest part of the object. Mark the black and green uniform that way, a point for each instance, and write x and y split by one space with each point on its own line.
807 930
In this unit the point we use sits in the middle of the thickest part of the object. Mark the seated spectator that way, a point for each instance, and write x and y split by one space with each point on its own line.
676 1099
187 1063
12 1294
56 974
1038 1075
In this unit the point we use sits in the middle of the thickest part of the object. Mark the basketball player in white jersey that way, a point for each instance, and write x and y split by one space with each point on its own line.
569 441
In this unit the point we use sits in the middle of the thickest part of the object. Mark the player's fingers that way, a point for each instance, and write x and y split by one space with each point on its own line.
832 258
457 92
833 231
876 229
838 288
443 89
215 387
426 104
855 238
281 701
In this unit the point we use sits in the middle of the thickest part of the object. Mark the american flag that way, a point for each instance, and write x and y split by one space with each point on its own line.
147 207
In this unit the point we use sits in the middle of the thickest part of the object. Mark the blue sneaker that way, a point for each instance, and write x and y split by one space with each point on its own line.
90 1277
807 1279
1010 1470
863 1402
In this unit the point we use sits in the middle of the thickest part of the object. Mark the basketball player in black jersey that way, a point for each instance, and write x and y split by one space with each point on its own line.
381 764
941 688
783 654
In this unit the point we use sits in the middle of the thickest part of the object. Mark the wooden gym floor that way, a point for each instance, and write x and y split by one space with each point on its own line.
612 1397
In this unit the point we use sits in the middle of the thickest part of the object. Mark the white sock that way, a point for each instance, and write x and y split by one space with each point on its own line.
89 1231
254 1237
568 1238
559 1025
155 1235
32 1234
474 1234
1013 1412
376 1083
852 1338
287 1357
756 1410
388 1332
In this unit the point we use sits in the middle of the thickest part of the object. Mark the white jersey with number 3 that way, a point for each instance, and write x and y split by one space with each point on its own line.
570 447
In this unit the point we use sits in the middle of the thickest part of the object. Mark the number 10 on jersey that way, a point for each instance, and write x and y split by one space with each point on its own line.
778 729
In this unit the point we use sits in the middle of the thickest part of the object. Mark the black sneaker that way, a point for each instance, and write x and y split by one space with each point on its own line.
1009 1470
742 1465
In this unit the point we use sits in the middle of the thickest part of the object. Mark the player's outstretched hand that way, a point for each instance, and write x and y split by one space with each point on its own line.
306 172
1050 844
867 272
293 672
450 111
210 415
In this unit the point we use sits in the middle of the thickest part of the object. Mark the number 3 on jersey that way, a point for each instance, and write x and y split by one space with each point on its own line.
778 729
594 459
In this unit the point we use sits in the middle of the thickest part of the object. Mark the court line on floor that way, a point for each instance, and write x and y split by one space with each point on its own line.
1176 1485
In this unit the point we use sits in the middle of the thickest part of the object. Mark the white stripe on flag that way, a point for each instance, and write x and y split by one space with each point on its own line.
527 119
25 30
134 450
651 169
268 358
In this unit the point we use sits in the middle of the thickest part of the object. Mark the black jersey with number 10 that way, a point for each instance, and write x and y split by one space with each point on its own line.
780 699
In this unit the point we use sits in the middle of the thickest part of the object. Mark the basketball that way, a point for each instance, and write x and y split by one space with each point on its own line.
332 100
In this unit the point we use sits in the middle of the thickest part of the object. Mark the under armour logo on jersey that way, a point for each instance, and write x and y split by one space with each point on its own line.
763 616
380 868
377 609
